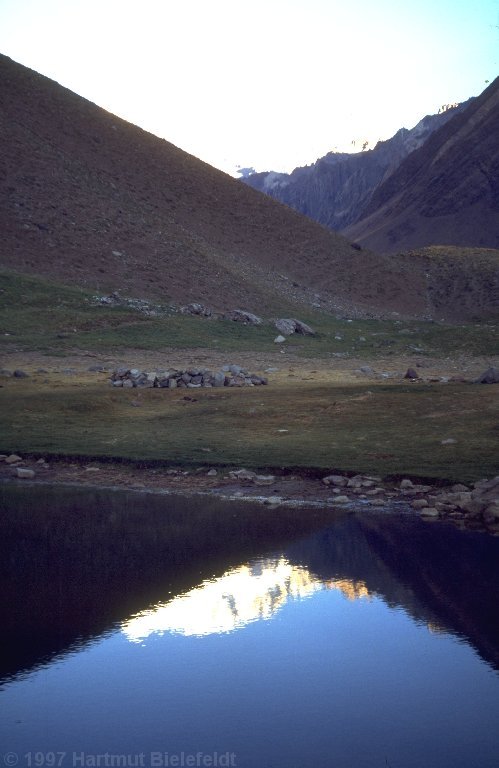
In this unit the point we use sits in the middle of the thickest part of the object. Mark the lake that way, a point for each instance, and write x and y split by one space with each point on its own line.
148 631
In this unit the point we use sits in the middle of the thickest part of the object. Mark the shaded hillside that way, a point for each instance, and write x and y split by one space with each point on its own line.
335 190
446 192
90 199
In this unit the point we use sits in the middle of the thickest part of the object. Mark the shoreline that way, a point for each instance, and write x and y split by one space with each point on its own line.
461 505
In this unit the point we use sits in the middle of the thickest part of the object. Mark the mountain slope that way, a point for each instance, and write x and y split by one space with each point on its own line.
91 199
335 190
446 192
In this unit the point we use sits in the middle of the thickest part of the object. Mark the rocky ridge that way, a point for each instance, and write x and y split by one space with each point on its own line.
336 189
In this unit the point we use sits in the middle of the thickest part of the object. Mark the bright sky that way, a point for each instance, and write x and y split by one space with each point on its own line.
266 83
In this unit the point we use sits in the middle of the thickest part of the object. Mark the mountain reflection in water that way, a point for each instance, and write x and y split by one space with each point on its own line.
76 565
242 595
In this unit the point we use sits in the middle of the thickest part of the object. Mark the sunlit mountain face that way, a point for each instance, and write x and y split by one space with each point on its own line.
245 594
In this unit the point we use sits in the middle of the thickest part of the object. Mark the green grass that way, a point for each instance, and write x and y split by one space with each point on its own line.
36 315
388 429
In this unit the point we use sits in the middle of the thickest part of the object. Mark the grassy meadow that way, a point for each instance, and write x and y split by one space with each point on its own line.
301 420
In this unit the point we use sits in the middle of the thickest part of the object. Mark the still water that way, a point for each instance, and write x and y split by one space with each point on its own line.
154 631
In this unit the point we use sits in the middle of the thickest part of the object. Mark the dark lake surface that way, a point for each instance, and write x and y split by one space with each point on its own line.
141 630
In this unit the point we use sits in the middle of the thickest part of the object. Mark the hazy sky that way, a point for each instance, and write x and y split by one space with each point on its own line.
265 83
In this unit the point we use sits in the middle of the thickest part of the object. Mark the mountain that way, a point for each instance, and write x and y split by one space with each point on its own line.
336 189
90 199
446 192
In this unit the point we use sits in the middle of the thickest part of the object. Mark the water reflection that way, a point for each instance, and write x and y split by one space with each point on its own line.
74 565
242 595
245 594
135 623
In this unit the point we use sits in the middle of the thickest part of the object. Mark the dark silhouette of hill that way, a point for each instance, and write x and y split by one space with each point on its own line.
90 199
444 193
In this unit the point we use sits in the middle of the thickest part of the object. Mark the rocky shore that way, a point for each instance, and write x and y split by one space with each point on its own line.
474 506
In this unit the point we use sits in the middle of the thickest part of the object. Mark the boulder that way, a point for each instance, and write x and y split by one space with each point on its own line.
264 479
196 309
406 484
490 376
337 480
241 316
279 339
411 374
25 474
303 328
429 512
419 504
243 474
219 379
286 327
355 481
290 325
13 459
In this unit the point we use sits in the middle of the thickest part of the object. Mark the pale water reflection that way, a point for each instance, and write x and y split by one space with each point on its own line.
242 595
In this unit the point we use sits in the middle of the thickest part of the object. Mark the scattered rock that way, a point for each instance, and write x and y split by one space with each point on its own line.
13 459
18 374
141 305
273 500
490 376
264 479
337 480
25 474
448 441
6 373
212 472
241 316
287 326
279 339
196 309
341 500
405 484
231 376
429 512
491 513
243 474
355 481
411 374
419 504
